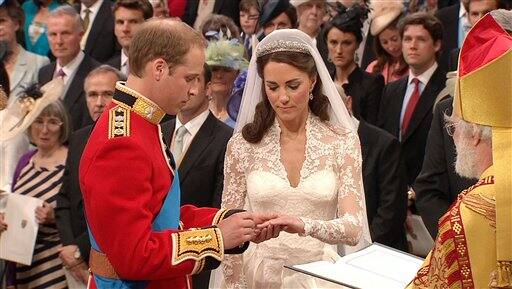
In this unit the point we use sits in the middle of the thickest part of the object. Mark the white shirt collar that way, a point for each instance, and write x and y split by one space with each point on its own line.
94 9
194 124
425 76
462 11
70 68
124 58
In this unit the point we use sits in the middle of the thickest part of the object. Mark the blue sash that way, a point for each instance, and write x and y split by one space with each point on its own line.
168 218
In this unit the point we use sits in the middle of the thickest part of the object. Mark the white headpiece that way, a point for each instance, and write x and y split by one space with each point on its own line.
296 41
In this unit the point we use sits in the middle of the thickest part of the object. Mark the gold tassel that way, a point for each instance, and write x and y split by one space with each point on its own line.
502 277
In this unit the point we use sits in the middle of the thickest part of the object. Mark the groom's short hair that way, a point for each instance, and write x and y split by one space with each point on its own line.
168 39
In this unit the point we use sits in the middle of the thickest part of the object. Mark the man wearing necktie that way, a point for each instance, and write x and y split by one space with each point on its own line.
406 105
65 31
99 41
199 146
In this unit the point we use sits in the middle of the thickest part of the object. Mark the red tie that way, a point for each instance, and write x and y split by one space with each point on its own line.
413 101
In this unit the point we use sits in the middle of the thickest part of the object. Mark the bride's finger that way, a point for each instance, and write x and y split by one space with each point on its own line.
263 225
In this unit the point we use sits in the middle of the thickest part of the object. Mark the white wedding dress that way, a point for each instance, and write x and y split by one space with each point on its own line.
328 198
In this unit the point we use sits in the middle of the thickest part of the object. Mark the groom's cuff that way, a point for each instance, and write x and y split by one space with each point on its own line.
223 214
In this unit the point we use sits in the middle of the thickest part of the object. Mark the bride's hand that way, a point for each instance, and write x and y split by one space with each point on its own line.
289 224
267 233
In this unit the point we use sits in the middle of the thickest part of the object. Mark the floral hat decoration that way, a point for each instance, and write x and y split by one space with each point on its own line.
28 107
226 53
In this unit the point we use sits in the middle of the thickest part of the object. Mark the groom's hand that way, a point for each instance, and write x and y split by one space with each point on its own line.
267 233
237 229
264 233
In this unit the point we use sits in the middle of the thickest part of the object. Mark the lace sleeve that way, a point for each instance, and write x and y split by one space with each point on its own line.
348 227
233 197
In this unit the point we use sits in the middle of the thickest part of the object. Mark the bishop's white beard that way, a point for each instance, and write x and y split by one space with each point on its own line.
466 159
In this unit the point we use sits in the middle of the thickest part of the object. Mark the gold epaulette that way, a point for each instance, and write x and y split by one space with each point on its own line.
197 244
118 122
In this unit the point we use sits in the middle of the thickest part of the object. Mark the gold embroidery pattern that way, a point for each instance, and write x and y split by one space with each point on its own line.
119 122
448 264
143 106
148 110
196 245
482 205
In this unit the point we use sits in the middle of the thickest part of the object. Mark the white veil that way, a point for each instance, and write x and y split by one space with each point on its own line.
284 40
252 92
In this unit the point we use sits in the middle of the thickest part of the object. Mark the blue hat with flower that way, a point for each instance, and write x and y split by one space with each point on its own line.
226 53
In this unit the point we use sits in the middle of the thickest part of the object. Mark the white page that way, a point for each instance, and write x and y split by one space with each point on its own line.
18 241
373 266
423 243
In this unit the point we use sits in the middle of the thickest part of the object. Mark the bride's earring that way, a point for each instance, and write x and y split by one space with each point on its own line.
311 96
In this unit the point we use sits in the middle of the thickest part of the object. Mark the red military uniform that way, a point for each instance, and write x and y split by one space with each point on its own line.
125 177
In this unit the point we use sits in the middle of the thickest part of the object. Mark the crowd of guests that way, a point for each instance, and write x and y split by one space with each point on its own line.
389 60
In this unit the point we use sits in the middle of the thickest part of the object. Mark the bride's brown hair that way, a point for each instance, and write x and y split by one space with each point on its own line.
264 115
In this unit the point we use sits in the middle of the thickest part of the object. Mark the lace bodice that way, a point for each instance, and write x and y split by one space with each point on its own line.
329 197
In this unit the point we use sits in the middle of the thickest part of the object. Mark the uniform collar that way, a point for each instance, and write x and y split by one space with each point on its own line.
138 103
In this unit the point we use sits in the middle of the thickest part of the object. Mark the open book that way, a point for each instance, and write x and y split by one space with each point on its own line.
376 266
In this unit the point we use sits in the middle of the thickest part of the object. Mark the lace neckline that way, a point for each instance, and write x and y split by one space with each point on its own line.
275 139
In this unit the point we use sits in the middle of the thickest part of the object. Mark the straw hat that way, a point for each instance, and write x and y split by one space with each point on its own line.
28 108
383 12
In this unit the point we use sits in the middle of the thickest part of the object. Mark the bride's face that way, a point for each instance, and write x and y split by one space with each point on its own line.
288 90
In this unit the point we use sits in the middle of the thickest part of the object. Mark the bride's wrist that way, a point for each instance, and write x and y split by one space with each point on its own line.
304 226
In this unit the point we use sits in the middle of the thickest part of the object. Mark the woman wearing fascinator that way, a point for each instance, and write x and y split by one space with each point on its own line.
295 151
388 44
343 34
43 118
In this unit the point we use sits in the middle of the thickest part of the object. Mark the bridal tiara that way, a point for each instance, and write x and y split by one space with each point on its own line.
282 45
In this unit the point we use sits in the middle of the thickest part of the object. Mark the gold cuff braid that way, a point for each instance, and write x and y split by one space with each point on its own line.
197 244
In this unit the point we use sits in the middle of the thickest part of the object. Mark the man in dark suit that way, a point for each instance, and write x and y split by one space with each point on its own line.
384 183
99 41
65 32
476 9
406 104
438 185
198 142
129 15
455 24
99 88
196 11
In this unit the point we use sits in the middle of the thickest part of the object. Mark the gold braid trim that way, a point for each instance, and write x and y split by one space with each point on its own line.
502 276
118 122
219 216
197 244
482 205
